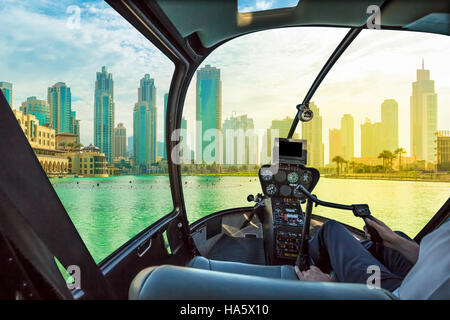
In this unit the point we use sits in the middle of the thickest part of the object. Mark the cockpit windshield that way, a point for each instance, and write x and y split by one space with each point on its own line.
368 112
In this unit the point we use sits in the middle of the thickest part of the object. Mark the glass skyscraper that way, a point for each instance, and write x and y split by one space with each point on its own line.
144 124
6 88
423 112
104 113
38 108
389 124
209 112
120 141
312 132
347 137
59 99
239 149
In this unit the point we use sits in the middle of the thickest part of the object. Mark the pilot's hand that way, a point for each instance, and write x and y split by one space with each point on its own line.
312 274
390 238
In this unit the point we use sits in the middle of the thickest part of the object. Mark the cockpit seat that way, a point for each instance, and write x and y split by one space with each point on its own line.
276 272
168 282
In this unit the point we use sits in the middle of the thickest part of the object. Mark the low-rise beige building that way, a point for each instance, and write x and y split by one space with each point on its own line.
43 141
88 162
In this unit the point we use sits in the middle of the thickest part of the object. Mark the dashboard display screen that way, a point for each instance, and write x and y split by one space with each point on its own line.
290 149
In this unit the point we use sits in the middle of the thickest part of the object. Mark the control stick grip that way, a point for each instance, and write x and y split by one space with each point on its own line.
374 235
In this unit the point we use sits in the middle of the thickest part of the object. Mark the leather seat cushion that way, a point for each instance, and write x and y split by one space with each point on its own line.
275 272
181 283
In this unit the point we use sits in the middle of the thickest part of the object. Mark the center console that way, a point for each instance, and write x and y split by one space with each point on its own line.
283 201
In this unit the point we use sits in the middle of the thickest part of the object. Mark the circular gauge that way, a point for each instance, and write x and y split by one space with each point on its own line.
266 174
306 177
280 176
285 190
271 189
298 193
292 177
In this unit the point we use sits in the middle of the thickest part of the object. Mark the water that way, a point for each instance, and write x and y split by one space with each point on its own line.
109 211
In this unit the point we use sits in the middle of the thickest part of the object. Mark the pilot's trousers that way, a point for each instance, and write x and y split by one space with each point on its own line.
334 248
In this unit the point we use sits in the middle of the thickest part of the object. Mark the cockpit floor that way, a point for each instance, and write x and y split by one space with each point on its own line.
246 250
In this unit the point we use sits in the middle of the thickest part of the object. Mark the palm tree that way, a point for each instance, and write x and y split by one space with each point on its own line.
339 160
352 165
399 152
387 157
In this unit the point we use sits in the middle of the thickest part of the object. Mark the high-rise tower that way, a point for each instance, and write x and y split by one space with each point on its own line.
144 124
423 113
209 113
104 113
347 137
59 100
312 132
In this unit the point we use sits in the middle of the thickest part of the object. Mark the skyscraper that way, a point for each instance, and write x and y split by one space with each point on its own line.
166 97
312 132
442 150
389 125
104 113
335 143
59 100
75 125
240 141
120 141
144 124
347 137
130 147
6 88
282 127
371 139
209 113
379 136
423 113
38 108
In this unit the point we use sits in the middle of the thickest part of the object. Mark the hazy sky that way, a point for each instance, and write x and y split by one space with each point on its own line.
265 74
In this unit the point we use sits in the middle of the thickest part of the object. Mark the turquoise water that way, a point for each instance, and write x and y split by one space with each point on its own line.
109 211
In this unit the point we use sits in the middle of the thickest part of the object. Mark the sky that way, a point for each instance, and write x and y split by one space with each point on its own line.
264 74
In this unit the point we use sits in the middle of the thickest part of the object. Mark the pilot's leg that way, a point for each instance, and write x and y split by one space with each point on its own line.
392 259
334 248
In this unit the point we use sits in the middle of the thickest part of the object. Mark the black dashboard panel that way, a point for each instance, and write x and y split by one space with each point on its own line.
286 212
281 184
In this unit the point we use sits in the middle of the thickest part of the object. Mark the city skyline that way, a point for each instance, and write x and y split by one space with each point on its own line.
259 79
372 141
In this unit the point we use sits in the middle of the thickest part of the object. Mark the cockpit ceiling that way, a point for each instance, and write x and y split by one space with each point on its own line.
217 20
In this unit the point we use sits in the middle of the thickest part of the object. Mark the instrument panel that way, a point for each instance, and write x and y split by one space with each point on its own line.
286 211
282 183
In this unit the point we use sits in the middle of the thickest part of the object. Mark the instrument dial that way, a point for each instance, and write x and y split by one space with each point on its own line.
271 189
280 176
306 178
266 174
285 190
292 177
298 193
